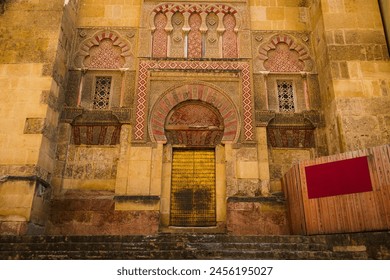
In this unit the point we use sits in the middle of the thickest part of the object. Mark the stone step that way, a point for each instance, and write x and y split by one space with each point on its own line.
141 246
375 245
165 238
183 254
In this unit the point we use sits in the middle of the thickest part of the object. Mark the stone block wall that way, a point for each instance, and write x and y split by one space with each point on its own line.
109 13
278 15
256 216
32 73
352 59
342 96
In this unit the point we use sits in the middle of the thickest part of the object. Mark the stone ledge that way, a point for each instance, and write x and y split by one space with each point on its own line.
32 178
137 198
273 199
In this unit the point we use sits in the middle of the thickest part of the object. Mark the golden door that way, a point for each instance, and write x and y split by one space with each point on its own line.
193 188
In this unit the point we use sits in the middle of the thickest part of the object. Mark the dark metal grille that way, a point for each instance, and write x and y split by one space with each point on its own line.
193 188
286 96
102 93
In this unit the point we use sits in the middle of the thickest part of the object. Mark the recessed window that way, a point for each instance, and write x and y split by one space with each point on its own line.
286 96
101 98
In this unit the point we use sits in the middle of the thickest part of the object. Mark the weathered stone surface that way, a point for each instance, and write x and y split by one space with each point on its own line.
96 215
339 76
264 218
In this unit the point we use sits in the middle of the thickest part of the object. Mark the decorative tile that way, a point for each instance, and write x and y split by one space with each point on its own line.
103 50
160 36
229 46
105 56
146 66
195 37
282 54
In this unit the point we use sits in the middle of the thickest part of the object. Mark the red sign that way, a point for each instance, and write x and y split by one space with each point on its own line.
338 178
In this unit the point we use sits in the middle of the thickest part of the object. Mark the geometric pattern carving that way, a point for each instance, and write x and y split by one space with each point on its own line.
195 37
177 37
102 93
194 124
282 54
197 25
104 56
229 46
95 134
194 8
282 59
286 96
194 115
145 66
291 137
207 96
212 36
160 36
104 50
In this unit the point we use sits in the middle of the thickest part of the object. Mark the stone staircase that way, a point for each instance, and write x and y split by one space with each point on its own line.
375 245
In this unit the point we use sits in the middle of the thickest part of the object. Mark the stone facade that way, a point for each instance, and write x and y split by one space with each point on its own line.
98 96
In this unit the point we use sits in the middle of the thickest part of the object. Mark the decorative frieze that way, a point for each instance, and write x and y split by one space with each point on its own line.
189 30
147 66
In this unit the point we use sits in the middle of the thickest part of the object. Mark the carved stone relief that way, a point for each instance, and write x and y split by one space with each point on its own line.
195 37
147 67
286 52
211 111
194 124
200 26
212 36
104 49
229 45
160 36
177 37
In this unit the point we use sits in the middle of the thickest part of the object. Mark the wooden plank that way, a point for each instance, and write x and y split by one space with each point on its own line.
323 207
311 218
301 206
298 215
345 213
385 189
347 201
385 160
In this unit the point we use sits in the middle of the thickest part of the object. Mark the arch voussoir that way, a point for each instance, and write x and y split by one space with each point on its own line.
195 92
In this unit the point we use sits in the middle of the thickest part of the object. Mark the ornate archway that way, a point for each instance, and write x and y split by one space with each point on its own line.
194 124
182 108
194 119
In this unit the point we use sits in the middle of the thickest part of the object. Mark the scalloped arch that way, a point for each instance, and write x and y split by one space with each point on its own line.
194 8
96 39
293 45
196 91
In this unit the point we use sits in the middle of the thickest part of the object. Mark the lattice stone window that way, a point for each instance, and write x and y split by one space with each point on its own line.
286 96
101 99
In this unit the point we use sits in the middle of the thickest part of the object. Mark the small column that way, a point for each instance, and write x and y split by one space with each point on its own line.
220 174
169 29
305 90
220 31
122 93
157 170
186 30
265 75
203 29
81 85
263 161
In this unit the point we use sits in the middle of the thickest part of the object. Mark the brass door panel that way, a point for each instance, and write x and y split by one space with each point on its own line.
193 188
